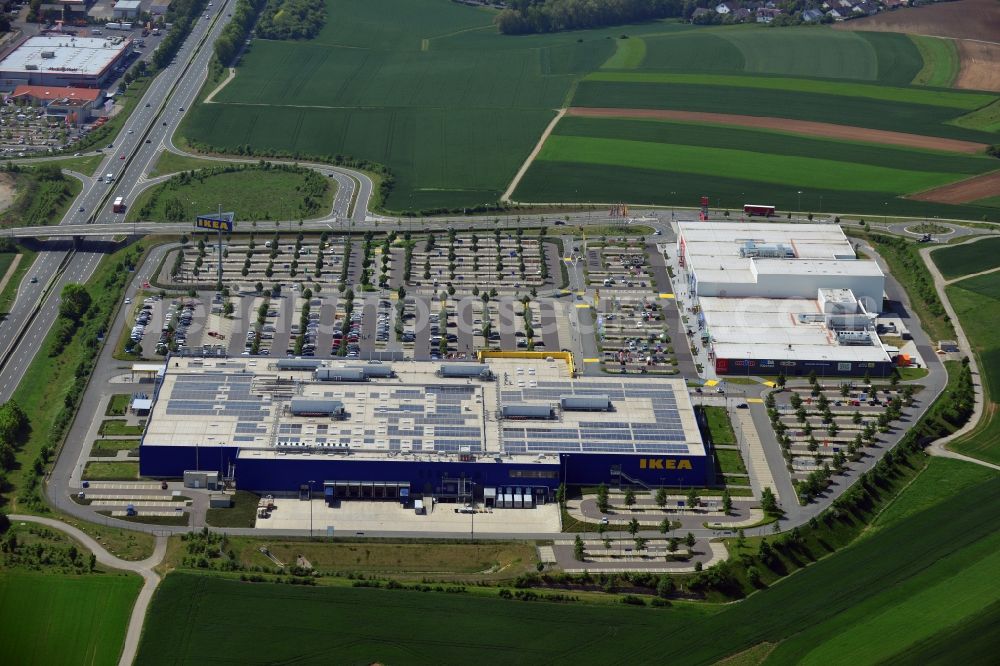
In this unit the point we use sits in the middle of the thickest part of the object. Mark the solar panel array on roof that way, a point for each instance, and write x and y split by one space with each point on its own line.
665 435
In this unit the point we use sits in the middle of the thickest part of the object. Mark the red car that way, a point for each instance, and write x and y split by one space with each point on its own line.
122 156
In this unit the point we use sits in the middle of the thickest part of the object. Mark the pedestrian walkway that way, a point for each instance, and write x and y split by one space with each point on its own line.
760 472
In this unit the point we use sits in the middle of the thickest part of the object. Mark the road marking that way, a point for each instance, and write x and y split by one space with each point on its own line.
711 382
666 295
582 306
770 384
591 360
757 400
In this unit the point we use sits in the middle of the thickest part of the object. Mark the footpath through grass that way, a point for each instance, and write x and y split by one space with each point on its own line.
65 619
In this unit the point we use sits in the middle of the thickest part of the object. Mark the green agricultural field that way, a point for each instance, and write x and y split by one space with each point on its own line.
830 603
986 119
708 135
65 619
453 120
977 303
940 57
795 172
891 59
967 258
941 479
595 183
829 102
254 193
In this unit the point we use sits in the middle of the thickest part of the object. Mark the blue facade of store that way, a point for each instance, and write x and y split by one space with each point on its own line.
288 474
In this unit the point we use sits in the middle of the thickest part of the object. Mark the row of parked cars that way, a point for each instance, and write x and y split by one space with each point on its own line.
176 322
352 337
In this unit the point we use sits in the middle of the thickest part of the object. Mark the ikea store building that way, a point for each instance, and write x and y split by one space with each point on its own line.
455 431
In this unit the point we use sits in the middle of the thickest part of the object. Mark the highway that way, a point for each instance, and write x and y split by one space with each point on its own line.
175 87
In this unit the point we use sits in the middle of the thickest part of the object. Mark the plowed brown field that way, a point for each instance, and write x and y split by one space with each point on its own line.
965 19
970 189
825 130
980 68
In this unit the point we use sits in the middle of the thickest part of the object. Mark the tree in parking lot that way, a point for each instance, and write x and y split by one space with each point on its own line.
689 540
633 527
661 497
664 525
795 400
602 498
768 502
578 550
672 544
727 502
692 498
629 497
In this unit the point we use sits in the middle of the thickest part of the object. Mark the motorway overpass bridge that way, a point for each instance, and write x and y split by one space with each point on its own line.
332 224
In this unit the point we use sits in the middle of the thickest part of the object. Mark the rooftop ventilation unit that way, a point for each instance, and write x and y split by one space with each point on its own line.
854 338
756 249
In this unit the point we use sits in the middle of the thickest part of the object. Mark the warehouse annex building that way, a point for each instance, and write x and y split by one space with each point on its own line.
496 430
791 298
63 60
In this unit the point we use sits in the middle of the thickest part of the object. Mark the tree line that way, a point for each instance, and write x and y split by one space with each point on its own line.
227 46
181 14
292 19
531 16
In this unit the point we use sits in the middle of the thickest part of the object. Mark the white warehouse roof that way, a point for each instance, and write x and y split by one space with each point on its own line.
63 53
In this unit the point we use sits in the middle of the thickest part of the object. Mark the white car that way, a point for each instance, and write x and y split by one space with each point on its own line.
128 301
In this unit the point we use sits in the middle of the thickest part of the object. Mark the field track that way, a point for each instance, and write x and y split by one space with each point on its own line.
980 68
810 128
966 19
970 189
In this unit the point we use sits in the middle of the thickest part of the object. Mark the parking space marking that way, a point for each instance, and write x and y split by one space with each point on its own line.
711 382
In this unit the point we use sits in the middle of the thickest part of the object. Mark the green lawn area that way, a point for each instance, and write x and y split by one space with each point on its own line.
85 164
242 514
719 425
118 404
111 471
119 427
6 259
834 602
730 462
940 57
65 619
172 163
10 290
253 192
957 260
111 447
40 199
